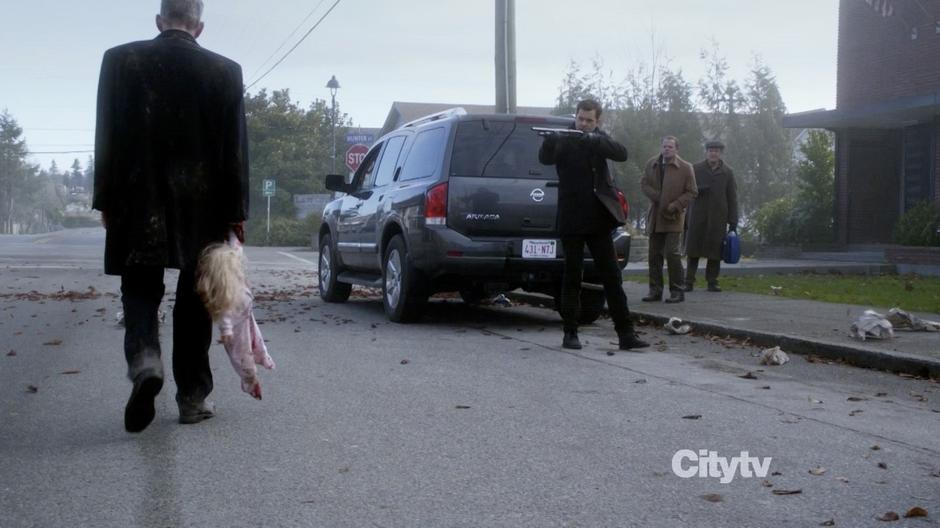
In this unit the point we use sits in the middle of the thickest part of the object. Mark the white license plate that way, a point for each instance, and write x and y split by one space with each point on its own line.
539 249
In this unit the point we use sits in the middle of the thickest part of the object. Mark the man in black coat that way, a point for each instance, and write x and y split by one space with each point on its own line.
588 210
171 177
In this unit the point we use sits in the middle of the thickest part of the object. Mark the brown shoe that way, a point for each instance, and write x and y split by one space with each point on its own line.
676 297
195 412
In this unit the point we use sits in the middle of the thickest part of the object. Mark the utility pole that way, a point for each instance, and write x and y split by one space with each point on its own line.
505 56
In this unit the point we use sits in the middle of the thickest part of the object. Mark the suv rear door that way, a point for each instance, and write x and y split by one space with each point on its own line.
496 185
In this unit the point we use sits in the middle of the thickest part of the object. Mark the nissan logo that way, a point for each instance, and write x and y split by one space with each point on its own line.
537 195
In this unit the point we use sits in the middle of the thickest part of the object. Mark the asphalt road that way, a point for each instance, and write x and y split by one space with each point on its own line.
474 417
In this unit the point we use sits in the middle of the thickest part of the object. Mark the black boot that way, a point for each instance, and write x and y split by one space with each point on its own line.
676 297
653 297
713 287
629 340
689 285
571 340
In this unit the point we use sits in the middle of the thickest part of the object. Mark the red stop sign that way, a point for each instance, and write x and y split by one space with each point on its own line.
354 156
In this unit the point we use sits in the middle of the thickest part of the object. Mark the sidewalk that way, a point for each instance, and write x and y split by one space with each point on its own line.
797 326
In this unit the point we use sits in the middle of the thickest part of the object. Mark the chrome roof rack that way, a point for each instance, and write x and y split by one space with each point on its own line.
450 112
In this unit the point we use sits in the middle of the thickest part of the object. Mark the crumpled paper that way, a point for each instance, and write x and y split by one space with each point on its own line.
872 325
904 321
674 326
774 356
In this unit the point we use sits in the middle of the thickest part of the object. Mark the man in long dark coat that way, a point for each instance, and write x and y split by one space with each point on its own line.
588 210
713 210
171 177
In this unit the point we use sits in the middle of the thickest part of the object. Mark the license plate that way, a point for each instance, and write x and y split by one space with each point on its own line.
539 249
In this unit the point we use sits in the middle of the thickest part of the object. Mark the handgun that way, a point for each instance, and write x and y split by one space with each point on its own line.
543 131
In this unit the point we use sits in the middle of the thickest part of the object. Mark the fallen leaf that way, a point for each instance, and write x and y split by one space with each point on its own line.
817 471
765 387
749 375
692 417
856 399
881 394
344 470
405 362
876 447
889 516
767 484
830 522
11 353
54 342
916 511
67 372
815 401
713 497
640 381
882 465
787 492
855 412
843 480
462 406
776 474
32 389
610 352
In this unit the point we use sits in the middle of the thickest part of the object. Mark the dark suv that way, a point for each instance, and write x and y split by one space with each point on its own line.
451 202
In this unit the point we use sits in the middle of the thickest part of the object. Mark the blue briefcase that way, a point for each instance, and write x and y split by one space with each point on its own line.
731 248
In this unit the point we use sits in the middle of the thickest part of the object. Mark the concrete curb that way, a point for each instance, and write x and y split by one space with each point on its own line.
852 355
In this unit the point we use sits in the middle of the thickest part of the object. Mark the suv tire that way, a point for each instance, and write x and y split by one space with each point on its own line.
402 291
331 290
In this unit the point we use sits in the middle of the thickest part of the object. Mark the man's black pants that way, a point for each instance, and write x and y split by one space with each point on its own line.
605 264
141 292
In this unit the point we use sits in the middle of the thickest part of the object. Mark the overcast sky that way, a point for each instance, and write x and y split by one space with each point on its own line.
410 50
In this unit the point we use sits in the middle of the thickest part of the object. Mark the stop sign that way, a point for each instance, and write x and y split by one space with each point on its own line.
355 155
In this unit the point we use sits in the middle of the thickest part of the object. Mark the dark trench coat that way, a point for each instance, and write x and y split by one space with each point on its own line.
587 198
171 151
712 211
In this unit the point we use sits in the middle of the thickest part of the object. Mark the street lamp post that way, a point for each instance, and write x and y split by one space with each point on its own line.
333 85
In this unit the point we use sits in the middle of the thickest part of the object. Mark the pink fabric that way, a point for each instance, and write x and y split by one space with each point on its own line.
245 345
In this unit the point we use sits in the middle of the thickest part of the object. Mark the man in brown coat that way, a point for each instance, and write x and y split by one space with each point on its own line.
669 183
715 208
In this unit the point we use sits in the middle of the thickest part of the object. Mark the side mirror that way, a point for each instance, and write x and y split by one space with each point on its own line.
337 182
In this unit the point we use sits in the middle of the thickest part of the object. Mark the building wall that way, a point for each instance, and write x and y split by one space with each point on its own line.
878 60
868 185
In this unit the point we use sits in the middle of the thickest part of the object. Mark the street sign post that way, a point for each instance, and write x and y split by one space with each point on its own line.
268 188
354 156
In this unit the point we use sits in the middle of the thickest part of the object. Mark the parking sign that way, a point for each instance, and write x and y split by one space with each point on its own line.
268 188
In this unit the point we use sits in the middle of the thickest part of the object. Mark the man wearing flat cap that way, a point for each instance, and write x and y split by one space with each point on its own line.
713 210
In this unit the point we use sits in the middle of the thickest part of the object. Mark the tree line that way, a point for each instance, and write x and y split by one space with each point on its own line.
655 99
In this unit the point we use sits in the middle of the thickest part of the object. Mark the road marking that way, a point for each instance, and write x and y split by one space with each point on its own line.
295 257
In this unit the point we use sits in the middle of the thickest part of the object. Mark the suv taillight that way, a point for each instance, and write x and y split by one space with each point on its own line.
623 204
435 205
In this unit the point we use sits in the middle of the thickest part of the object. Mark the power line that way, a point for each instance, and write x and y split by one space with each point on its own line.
276 64
286 40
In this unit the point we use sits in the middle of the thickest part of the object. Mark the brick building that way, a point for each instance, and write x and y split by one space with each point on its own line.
887 116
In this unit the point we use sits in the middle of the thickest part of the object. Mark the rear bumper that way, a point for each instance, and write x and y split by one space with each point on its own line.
443 251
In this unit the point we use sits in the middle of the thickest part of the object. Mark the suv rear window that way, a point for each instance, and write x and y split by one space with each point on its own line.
498 149
425 156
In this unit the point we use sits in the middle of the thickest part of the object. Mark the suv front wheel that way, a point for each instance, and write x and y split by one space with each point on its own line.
331 290
402 291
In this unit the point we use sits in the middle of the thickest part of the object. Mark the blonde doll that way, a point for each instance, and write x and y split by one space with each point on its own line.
221 284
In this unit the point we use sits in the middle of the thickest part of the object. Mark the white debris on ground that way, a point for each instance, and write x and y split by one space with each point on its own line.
502 300
904 321
872 325
675 326
774 356
776 290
